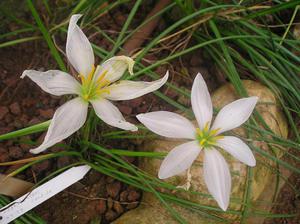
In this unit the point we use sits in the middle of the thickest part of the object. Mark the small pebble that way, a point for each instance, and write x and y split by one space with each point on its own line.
3 112
113 189
15 108
15 152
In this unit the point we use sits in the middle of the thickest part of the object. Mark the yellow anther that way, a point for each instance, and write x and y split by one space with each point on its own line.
214 132
82 78
206 128
218 137
90 75
103 74
210 142
102 84
100 91
85 80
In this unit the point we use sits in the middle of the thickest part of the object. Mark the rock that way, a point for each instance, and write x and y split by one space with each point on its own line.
123 196
4 157
118 207
113 189
15 152
46 113
133 196
136 102
34 121
4 130
3 112
63 161
15 108
42 166
110 203
101 206
125 109
24 140
110 215
262 184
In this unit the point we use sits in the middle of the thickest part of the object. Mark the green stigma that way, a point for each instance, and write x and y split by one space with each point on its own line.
207 138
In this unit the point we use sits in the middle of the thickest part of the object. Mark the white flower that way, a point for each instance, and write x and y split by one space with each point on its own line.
216 172
97 87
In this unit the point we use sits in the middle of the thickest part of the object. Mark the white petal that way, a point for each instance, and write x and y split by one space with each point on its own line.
179 159
78 48
111 115
113 69
168 124
54 81
67 119
201 102
234 114
217 177
238 149
127 90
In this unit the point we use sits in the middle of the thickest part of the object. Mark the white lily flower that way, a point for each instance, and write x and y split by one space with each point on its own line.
97 87
206 137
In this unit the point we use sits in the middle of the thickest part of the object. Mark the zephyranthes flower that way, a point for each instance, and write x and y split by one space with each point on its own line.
206 137
97 87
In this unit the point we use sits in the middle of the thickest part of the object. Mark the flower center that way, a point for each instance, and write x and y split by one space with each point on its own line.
206 137
91 88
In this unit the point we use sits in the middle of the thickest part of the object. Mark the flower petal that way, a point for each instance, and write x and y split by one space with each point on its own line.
54 81
179 159
79 49
113 69
238 149
67 119
234 114
217 177
168 124
127 90
201 102
111 115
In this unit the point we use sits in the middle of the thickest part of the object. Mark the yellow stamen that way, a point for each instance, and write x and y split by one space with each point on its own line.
103 74
218 137
103 84
100 91
206 128
85 80
210 142
82 78
214 132
90 75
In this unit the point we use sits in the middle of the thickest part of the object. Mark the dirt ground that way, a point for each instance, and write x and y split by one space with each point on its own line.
97 197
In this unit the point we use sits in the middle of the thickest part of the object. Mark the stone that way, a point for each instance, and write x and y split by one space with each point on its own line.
133 196
123 196
110 215
3 112
46 113
118 207
125 109
15 152
113 189
15 108
101 207
263 182
41 167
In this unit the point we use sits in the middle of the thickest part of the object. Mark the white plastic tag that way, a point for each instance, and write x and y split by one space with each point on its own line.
42 193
